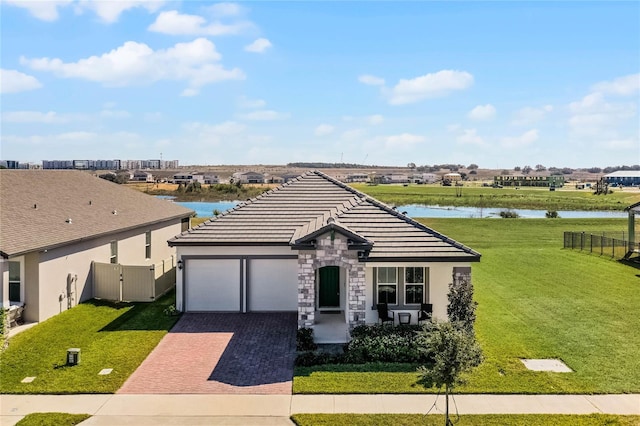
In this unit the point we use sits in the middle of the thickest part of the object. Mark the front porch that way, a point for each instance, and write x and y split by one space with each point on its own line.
330 327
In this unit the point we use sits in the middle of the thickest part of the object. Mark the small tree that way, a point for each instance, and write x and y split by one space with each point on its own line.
454 352
462 308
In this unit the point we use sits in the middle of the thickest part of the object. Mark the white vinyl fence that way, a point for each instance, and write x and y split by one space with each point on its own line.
133 283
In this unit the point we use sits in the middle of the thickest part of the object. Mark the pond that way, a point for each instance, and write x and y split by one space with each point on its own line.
205 209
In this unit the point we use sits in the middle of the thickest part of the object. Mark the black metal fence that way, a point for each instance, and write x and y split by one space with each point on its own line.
603 244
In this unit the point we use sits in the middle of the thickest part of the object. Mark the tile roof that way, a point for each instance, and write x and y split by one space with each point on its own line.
303 206
36 204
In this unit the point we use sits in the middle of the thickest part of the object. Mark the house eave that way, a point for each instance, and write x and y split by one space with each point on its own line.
440 259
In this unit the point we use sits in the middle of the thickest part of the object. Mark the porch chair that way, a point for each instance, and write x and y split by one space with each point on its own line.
425 313
383 313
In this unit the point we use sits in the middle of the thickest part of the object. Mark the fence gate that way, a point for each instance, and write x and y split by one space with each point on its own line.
125 283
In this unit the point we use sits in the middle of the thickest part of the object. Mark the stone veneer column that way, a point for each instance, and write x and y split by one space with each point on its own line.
330 252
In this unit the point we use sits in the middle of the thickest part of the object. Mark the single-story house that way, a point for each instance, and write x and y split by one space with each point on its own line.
248 177
316 245
141 176
54 223
623 177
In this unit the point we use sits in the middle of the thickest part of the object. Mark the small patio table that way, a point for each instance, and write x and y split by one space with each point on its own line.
404 318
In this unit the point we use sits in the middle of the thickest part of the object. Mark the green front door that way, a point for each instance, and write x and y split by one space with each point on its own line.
329 287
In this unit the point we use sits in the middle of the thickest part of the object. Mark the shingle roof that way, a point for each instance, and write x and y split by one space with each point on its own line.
303 206
36 204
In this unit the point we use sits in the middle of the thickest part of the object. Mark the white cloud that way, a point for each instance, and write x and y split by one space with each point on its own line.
371 80
50 117
175 23
594 117
226 9
622 86
324 129
428 86
352 134
375 119
258 46
470 137
244 102
529 115
225 128
622 144
524 139
403 141
109 11
265 115
482 112
136 63
45 10
12 81
113 113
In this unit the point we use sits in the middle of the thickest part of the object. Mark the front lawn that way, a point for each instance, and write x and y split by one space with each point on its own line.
116 336
536 300
52 419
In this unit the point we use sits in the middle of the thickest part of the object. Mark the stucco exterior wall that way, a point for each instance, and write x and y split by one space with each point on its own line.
47 291
440 276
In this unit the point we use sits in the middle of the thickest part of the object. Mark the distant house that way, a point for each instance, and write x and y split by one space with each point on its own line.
529 180
187 178
395 178
54 223
211 179
140 176
357 177
623 178
274 179
248 177
452 177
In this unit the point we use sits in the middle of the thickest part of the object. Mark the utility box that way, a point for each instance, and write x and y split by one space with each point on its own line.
73 356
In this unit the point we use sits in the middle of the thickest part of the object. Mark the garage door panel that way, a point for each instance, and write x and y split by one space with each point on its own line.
273 285
213 285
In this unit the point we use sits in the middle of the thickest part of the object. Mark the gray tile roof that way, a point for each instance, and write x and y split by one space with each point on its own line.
36 204
303 206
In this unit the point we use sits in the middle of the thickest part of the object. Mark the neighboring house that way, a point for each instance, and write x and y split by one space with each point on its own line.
140 176
248 177
529 180
54 223
211 179
623 178
187 178
395 178
313 245
357 177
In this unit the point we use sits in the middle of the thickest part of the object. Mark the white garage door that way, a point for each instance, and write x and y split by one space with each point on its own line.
273 285
212 285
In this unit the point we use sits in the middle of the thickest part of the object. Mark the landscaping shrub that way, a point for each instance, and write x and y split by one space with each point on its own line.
508 214
552 214
383 344
304 340
311 358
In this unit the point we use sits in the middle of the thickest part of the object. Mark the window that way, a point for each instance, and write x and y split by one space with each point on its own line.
147 245
14 282
114 252
414 285
387 281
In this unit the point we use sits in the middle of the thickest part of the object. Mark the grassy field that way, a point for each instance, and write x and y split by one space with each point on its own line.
523 198
109 336
536 300
472 420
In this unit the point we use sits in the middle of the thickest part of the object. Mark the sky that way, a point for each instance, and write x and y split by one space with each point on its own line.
498 84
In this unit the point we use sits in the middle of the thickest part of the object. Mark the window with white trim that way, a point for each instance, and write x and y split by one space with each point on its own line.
113 258
14 282
147 245
387 285
413 285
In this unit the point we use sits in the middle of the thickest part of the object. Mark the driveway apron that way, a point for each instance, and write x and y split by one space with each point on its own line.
221 353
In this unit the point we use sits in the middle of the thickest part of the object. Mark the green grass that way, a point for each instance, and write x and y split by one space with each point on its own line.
470 420
536 300
117 336
52 419
523 198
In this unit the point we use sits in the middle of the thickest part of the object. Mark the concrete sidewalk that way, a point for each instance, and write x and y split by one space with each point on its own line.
121 409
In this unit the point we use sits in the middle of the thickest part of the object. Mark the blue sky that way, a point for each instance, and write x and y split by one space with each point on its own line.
498 84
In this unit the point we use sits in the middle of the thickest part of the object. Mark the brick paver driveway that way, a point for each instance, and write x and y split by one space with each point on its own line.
221 353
